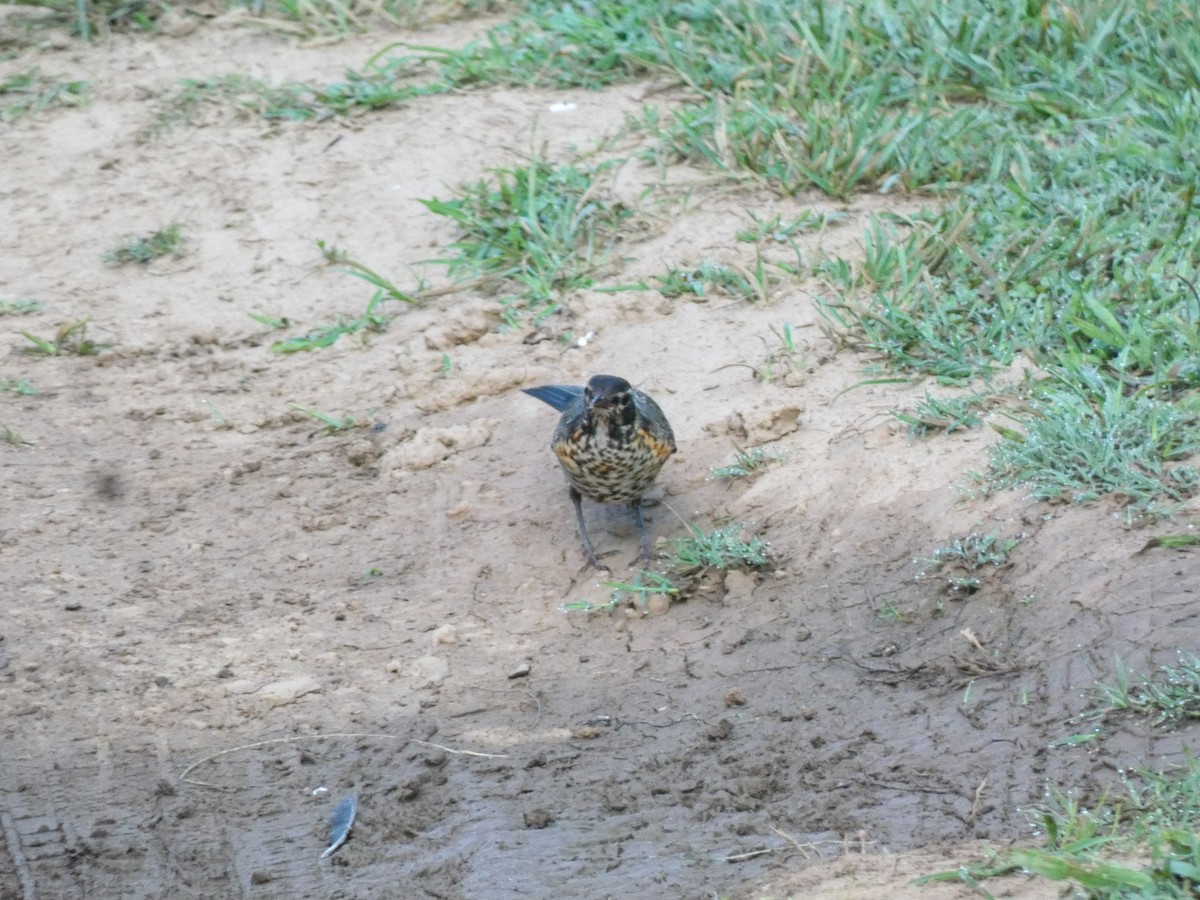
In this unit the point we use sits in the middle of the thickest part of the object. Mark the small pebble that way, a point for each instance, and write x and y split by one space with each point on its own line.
520 671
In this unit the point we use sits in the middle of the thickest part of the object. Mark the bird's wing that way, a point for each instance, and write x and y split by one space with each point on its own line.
560 396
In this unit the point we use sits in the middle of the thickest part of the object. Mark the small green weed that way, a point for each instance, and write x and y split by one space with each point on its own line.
10 436
542 228
947 414
70 339
32 92
315 18
1167 700
141 250
644 585
780 231
888 611
722 548
275 323
378 87
747 462
371 320
330 423
712 278
21 386
785 358
20 306
1170 542
87 17
961 561
385 289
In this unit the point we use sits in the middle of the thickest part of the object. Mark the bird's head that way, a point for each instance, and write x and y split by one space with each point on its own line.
609 395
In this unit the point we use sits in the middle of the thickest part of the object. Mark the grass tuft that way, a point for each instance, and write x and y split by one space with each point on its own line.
541 230
723 548
963 560
330 424
141 250
20 306
1086 436
748 462
70 339
20 386
1168 699
31 92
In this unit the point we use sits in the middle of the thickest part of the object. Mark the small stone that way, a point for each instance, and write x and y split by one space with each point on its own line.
520 671
734 697
444 634
658 604
720 731
394 666
289 690
537 818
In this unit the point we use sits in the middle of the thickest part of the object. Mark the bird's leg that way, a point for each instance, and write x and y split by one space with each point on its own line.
588 550
647 553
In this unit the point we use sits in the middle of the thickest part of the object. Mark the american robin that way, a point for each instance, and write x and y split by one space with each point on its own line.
611 441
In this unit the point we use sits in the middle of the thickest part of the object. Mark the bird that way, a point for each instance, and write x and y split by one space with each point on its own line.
611 442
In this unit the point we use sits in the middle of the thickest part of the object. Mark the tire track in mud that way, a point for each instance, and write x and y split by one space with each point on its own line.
70 829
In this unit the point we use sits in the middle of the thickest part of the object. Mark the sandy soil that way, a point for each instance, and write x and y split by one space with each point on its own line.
198 583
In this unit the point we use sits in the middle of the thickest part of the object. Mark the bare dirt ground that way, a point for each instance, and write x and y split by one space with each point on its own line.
192 573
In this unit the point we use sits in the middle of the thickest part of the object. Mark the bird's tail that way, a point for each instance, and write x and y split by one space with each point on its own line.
560 396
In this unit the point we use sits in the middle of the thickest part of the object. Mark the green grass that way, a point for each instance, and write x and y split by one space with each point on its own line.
1151 815
1057 140
372 319
31 92
1084 436
304 18
961 561
312 18
20 306
638 592
1169 698
385 289
947 414
289 102
714 278
70 340
748 462
721 548
20 386
1154 815
140 250
330 424
9 435
783 231
536 231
